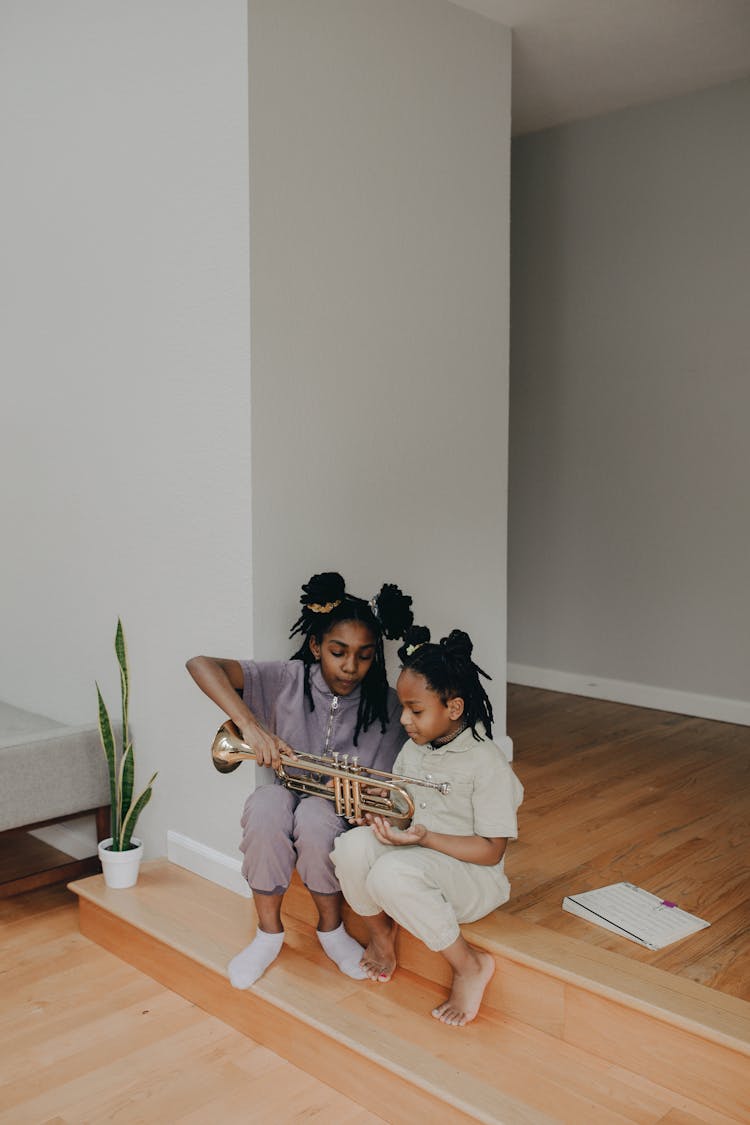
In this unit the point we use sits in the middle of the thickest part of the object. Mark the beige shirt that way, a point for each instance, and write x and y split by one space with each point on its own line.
484 795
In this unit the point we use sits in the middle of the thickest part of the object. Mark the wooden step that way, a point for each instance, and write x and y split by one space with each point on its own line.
544 1048
671 1030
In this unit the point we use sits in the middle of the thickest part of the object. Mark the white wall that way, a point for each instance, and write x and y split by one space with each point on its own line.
629 535
379 204
125 428
380 158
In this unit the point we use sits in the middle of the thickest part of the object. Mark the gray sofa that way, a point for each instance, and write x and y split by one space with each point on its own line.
49 772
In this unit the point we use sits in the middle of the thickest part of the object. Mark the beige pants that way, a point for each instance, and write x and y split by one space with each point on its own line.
426 892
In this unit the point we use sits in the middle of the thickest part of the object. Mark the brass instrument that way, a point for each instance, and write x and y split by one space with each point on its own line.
351 781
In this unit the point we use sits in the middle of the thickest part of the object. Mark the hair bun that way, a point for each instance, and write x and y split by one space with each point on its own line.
323 589
415 637
458 644
392 608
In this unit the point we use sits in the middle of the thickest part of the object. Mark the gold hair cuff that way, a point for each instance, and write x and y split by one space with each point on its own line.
316 607
411 649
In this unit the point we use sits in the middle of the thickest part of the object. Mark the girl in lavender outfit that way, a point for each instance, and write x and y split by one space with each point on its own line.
331 696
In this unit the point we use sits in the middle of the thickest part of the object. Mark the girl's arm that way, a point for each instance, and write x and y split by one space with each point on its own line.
222 680
484 850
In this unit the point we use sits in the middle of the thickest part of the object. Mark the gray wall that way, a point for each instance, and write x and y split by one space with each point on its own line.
629 533
125 355
380 243
378 384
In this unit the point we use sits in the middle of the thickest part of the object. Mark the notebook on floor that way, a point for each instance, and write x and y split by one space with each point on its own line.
635 914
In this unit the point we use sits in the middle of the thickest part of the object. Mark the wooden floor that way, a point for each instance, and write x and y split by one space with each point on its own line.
86 1038
568 1033
612 793
618 793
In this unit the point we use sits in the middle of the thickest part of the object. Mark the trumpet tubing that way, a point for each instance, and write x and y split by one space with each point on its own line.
351 783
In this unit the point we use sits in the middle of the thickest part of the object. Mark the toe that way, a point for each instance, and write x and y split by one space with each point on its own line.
450 1016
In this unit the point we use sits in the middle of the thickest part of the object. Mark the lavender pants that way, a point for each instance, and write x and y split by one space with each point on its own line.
282 830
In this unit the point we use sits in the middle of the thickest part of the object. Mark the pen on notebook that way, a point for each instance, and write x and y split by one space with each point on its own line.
606 919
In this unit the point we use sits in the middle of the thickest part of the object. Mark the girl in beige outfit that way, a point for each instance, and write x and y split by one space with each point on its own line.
446 866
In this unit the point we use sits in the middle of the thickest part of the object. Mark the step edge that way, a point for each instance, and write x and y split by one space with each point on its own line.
707 1026
685 1004
646 988
491 1093
632 993
333 1026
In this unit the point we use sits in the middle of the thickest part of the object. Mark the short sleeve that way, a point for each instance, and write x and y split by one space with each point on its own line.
497 796
263 681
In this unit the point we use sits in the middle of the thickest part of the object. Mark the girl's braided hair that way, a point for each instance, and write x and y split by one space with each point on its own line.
450 672
325 602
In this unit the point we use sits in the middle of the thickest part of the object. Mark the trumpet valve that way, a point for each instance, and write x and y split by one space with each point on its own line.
356 789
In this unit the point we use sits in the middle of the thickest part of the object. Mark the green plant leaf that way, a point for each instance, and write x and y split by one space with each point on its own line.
135 811
107 738
124 811
125 781
122 660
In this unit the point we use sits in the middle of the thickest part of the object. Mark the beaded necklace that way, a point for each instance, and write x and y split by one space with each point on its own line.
438 743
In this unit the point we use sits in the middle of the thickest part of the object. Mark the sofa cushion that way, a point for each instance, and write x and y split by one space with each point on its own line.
47 769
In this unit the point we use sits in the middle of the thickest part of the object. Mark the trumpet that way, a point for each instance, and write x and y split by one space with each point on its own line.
353 785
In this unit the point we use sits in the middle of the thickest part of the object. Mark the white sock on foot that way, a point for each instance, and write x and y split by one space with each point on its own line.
252 962
343 950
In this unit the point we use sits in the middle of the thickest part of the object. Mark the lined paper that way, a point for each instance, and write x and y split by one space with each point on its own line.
635 914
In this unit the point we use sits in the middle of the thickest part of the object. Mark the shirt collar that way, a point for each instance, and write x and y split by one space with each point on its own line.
463 741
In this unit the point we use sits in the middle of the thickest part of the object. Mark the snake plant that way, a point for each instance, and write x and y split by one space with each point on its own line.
125 810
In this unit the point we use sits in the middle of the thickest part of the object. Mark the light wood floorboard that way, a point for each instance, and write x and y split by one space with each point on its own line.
618 793
381 1040
612 792
86 1038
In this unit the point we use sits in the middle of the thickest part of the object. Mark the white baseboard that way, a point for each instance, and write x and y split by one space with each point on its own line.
76 838
206 862
638 695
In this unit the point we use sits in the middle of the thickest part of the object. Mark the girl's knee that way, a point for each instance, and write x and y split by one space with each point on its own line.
275 798
269 809
389 875
316 824
350 850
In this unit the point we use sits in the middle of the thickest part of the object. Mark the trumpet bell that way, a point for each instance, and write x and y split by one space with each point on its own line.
226 752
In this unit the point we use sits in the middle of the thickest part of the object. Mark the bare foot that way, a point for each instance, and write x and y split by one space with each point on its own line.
466 992
379 958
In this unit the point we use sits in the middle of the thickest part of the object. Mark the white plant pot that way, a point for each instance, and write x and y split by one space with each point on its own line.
120 869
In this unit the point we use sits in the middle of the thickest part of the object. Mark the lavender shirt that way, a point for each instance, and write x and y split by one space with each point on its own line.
274 692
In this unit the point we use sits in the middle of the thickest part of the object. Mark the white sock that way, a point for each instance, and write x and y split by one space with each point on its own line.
252 962
343 950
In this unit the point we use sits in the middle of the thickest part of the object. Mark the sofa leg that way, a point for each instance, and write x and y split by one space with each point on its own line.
103 829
